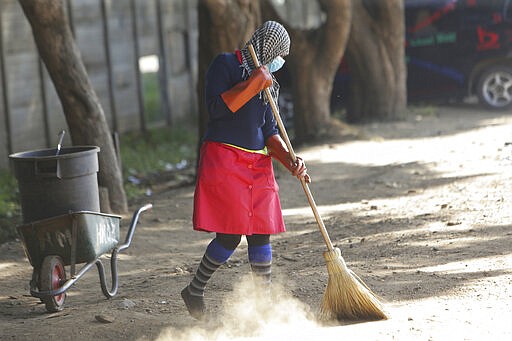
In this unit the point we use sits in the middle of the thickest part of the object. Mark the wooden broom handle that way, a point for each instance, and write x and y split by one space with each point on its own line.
286 139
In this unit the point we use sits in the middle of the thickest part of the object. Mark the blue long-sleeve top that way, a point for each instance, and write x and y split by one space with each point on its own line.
251 125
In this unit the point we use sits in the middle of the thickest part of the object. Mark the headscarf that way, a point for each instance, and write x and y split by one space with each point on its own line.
269 41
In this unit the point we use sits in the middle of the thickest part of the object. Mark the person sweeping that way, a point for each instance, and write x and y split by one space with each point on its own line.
236 193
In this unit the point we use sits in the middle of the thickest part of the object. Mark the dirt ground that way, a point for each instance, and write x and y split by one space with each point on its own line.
421 210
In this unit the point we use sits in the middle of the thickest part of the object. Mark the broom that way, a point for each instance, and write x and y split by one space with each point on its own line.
346 295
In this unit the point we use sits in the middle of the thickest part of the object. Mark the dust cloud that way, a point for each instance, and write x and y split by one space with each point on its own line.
252 311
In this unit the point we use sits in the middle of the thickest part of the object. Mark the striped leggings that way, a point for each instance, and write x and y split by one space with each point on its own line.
221 248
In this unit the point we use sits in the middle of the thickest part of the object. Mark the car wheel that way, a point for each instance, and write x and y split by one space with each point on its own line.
495 88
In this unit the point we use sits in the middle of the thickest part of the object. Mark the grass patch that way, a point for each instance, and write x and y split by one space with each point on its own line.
152 100
158 150
9 206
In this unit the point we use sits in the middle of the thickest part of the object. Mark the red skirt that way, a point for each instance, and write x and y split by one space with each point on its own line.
236 192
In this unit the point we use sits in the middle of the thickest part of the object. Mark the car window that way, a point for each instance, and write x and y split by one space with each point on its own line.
485 12
507 10
431 24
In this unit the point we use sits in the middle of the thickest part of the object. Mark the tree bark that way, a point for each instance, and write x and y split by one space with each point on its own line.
224 25
376 59
84 114
313 61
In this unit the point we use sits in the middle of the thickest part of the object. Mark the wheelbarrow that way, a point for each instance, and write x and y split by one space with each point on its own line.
70 239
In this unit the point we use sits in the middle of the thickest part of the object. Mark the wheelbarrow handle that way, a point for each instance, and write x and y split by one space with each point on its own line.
113 259
131 230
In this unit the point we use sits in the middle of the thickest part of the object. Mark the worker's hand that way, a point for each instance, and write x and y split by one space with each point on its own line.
260 78
241 93
298 169
278 150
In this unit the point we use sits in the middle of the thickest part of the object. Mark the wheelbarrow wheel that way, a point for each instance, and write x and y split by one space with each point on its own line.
51 277
35 282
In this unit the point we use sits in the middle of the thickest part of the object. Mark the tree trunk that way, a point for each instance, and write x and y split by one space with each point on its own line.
224 25
376 59
83 111
313 61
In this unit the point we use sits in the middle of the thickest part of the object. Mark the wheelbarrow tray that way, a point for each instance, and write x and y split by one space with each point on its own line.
77 237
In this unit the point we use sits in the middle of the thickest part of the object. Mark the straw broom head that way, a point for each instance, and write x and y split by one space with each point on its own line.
346 296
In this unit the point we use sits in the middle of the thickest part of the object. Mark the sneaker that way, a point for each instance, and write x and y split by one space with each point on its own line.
195 304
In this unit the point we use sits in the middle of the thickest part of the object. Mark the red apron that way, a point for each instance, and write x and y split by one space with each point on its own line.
236 192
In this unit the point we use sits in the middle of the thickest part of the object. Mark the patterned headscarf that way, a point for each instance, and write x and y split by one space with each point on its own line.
269 41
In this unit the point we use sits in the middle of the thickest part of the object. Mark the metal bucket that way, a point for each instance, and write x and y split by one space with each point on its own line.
52 185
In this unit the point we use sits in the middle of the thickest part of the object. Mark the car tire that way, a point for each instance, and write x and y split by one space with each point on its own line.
494 88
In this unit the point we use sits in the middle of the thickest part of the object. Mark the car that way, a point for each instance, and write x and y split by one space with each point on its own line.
455 49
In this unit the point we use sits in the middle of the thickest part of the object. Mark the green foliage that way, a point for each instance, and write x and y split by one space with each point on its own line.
9 206
159 150
340 114
8 194
152 101
423 110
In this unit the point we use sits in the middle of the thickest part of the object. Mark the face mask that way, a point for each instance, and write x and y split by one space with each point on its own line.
276 64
